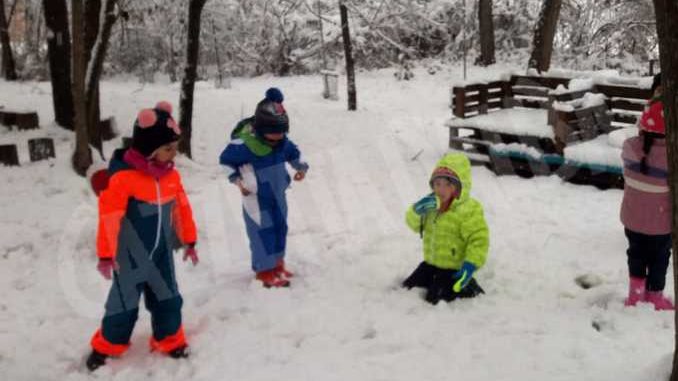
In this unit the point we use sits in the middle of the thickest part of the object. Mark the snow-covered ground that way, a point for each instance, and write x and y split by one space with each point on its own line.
344 318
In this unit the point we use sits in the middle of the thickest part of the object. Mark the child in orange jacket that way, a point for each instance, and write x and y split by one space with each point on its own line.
143 215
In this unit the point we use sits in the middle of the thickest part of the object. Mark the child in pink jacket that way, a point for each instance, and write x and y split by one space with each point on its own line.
646 207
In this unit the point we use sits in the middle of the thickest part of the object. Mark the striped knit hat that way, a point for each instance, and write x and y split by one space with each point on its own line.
446 173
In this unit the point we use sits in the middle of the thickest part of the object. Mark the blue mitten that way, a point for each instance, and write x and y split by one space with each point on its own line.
463 276
426 204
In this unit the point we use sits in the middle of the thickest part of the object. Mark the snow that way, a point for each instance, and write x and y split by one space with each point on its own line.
598 152
344 318
580 84
560 89
522 149
517 121
587 101
616 138
563 106
594 77
593 100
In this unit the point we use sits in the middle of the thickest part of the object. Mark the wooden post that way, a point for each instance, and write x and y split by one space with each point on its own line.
459 101
9 154
551 111
482 100
561 130
454 133
507 100
41 149
330 84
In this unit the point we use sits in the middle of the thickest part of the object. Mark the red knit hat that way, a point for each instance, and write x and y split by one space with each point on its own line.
652 119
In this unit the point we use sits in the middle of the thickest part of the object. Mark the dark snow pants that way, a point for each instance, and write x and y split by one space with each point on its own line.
648 258
153 277
438 284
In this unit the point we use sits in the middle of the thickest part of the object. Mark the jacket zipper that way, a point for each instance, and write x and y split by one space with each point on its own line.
157 232
433 239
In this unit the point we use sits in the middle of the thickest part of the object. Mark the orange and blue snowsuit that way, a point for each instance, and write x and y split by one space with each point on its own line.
141 220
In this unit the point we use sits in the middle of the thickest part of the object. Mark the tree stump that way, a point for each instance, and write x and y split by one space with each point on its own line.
9 154
330 84
41 149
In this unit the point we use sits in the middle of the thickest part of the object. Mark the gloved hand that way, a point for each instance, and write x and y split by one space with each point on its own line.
192 253
244 191
106 266
426 204
300 175
463 276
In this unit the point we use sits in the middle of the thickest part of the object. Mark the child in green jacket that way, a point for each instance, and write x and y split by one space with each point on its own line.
455 234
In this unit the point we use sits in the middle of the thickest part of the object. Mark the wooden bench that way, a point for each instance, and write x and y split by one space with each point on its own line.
23 120
567 117
620 108
529 96
38 149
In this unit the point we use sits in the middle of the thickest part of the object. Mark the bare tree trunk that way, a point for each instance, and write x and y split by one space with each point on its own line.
323 49
486 26
217 54
348 53
94 70
171 66
32 32
12 9
666 12
544 33
59 47
82 157
190 75
8 64
92 30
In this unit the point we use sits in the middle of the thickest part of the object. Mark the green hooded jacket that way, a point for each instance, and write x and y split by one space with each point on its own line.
458 234
245 130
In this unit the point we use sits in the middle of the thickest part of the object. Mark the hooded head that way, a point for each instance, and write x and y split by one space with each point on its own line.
456 168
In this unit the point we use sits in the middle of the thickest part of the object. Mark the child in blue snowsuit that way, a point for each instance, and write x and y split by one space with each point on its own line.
255 161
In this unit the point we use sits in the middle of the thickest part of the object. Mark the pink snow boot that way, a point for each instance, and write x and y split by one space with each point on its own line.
661 302
636 291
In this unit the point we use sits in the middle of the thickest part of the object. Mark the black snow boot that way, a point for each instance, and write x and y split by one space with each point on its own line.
179 353
95 360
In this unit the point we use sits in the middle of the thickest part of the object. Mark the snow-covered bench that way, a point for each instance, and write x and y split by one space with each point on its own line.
593 130
599 110
503 112
535 125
